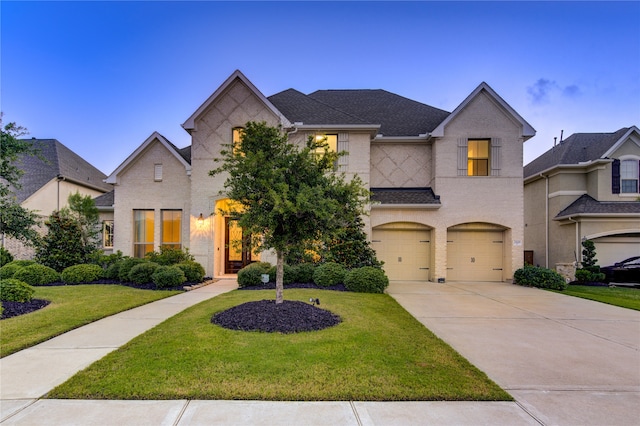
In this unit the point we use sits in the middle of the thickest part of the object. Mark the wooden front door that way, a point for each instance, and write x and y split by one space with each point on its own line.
237 249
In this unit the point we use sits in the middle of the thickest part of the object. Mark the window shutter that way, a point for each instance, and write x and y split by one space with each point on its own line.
462 156
343 145
496 156
157 172
615 176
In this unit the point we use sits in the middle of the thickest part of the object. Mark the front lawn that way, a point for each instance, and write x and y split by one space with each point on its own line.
379 352
619 296
70 307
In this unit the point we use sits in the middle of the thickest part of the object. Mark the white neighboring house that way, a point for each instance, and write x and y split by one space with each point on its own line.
447 186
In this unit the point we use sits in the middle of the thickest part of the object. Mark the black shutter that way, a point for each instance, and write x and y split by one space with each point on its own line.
615 176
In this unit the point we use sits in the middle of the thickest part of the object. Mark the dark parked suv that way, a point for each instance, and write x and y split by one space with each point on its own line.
627 271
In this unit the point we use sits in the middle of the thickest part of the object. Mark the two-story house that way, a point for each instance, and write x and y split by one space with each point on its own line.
585 187
48 179
447 186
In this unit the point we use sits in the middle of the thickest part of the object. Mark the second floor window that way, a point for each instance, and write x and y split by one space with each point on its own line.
629 176
236 137
331 140
478 157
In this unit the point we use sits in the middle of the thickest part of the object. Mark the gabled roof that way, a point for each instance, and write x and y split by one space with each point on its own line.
182 155
59 161
527 130
588 206
236 75
580 148
105 200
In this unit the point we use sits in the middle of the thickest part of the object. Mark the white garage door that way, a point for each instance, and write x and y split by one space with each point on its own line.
405 253
612 249
474 255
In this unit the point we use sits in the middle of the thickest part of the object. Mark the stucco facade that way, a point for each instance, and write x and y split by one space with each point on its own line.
430 161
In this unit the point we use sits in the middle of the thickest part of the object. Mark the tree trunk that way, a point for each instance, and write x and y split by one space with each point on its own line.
279 276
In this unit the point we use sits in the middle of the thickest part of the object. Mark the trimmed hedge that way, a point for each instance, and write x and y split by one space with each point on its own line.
142 272
585 275
251 275
329 274
289 275
84 273
37 275
9 269
12 290
125 267
367 279
5 256
532 276
167 276
304 272
193 271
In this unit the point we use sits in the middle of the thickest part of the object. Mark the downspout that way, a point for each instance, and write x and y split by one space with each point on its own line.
578 252
546 220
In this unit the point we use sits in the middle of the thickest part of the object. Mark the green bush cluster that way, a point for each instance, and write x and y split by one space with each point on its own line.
5 256
532 276
367 279
193 271
170 256
9 269
303 272
125 267
328 274
251 275
84 273
585 275
13 290
142 272
167 276
289 274
37 274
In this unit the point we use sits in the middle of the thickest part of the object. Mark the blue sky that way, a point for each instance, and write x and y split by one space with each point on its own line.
102 76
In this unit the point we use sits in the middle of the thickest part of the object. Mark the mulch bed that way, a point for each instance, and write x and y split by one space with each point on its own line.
13 309
290 316
272 286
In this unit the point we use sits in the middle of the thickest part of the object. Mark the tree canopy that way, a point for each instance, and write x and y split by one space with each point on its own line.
287 196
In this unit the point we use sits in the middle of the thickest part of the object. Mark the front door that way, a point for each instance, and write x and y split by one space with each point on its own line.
237 249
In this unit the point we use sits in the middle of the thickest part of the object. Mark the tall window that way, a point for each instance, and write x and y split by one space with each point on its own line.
107 234
478 157
629 176
171 225
236 137
142 232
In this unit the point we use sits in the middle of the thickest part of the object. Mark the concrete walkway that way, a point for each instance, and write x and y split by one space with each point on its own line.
565 360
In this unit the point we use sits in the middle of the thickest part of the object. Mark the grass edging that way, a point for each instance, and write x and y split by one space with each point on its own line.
378 353
618 296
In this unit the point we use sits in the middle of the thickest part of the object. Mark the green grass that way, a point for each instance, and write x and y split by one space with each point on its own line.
378 353
618 296
70 307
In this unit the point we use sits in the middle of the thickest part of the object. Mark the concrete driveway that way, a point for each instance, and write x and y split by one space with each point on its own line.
567 361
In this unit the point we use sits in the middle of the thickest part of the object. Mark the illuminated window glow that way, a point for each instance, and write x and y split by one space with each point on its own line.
142 232
478 157
171 228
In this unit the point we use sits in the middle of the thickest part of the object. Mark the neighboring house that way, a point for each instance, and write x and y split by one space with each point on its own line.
447 187
585 187
48 180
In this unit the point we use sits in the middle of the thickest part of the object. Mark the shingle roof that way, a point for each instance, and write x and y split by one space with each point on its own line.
397 115
60 161
105 200
588 205
404 196
577 148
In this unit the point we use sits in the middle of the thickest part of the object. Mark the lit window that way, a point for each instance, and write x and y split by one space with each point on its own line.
142 232
171 224
107 234
331 140
478 157
236 137
629 176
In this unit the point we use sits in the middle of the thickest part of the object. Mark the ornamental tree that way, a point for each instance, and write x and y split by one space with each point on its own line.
287 196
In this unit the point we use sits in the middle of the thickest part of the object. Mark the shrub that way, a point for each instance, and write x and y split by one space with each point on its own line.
329 274
289 275
167 276
303 272
142 272
113 270
585 275
251 275
62 246
84 273
12 290
367 279
8 270
107 260
170 256
125 267
532 276
5 256
23 263
193 271
37 275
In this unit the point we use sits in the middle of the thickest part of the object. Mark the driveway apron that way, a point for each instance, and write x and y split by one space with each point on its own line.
566 360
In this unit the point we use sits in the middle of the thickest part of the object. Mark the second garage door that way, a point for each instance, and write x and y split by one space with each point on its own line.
474 255
405 252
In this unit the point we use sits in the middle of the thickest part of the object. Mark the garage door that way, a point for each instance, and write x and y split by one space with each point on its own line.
474 255
405 253
616 248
